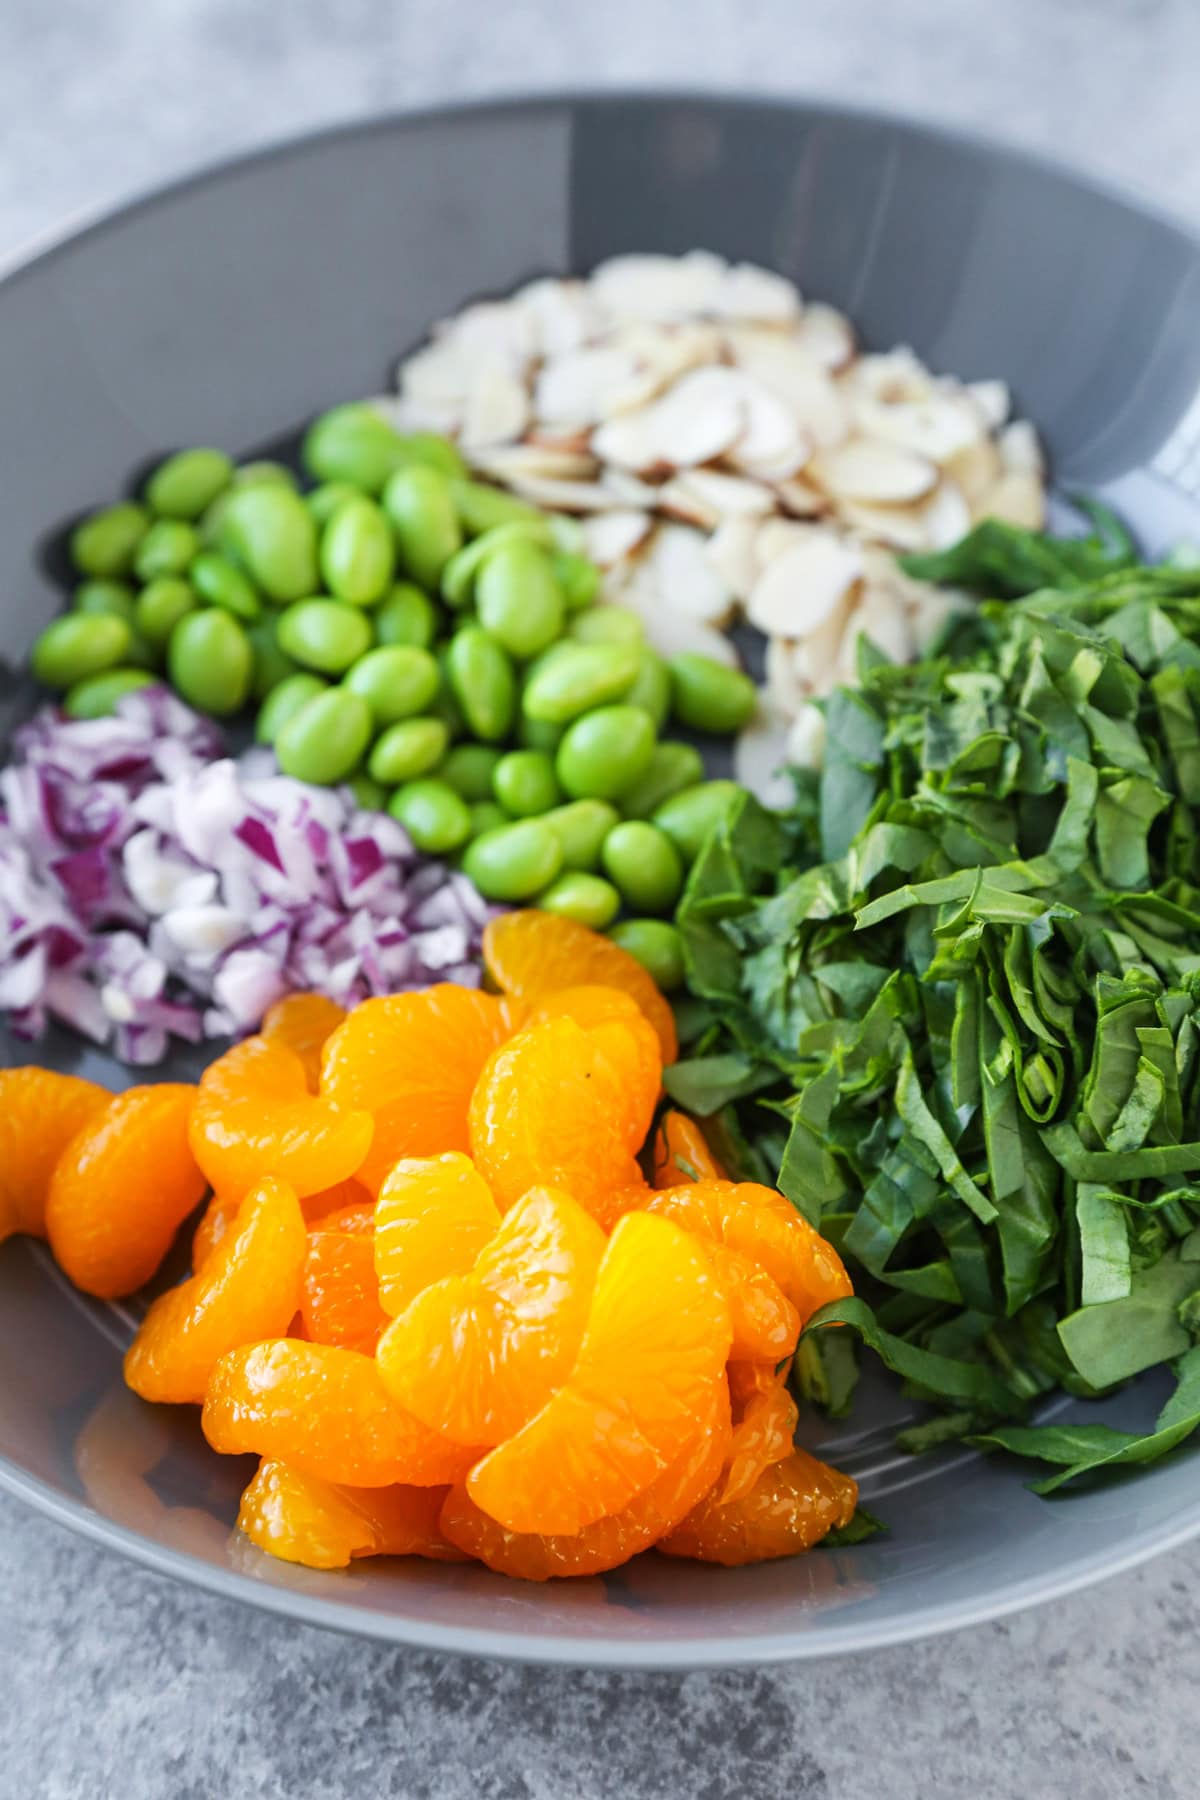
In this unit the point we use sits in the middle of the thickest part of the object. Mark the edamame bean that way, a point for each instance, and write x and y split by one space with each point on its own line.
371 795
354 444
469 769
98 695
524 783
397 681
577 677
438 452
418 503
581 828
358 552
407 616
483 682
605 752
283 702
588 899
167 549
160 606
210 661
404 751
578 579
325 740
481 507
105 596
672 768
323 634
436 818
538 734
651 688
689 816
322 502
608 625
271 664
263 472
217 581
458 576
186 484
487 816
519 600
708 696
445 706
514 862
272 534
656 945
644 864
106 542
78 645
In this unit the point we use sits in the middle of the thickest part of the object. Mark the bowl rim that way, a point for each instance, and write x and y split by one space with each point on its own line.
665 1654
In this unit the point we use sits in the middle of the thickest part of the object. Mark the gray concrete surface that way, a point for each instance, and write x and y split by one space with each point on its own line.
114 1682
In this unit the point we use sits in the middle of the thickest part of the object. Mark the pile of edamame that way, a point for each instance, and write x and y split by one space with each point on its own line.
426 638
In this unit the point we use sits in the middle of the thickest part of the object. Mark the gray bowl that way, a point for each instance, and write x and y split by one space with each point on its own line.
228 309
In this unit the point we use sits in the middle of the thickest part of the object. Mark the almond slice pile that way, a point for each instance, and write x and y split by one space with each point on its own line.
729 452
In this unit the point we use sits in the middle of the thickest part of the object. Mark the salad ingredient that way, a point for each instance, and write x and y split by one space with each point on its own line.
420 505
524 783
324 740
210 662
274 537
325 635
437 819
690 814
358 556
159 608
588 899
186 484
283 702
577 678
709 697
79 645
305 1023
433 1218
794 1503
680 1148
644 865
581 827
339 1291
604 752
107 541
221 583
483 682
40 1113
407 749
304 1520
168 548
406 616
519 599
513 862
398 681
96 697
657 945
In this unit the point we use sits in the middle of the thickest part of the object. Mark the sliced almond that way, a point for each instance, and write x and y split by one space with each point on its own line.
729 496
792 376
732 551
610 537
658 287
575 388
677 500
799 497
975 470
784 687
1020 450
806 739
748 292
815 657
564 496
497 409
946 516
499 329
902 527
562 313
882 617
627 490
1017 498
701 417
937 427
686 577
629 442
444 417
879 473
668 631
777 536
993 400
826 335
892 378
760 757
441 374
797 591
661 354
534 461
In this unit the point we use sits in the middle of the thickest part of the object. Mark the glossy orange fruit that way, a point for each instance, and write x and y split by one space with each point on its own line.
302 1519
623 1032
475 1355
681 1153
254 1116
338 1198
433 1217
303 1022
40 1112
248 1289
121 1189
326 1410
608 1542
765 1324
551 1109
215 1221
412 1060
652 1355
340 1293
764 1433
531 953
791 1506
760 1224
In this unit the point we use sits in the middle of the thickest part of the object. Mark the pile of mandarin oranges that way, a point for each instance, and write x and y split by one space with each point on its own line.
453 1286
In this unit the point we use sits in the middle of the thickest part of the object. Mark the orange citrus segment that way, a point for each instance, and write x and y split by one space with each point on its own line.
476 1355
759 1223
531 953
303 1022
340 1294
302 1519
40 1112
791 1506
621 1029
764 1434
433 1217
215 1221
652 1354
765 1323
681 1153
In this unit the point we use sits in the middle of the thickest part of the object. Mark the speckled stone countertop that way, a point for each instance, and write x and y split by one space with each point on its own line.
115 1682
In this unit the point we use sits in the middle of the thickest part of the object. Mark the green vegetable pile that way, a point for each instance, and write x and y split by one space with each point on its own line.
963 1024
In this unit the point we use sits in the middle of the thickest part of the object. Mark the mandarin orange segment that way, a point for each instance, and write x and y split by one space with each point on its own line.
794 1503
248 1289
121 1189
301 1519
764 1433
550 1109
340 1293
215 1221
343 1195
618 1025
652 1355
40 1112
476 1355
531 953
254 1116
433 1217
412 1060
303 1022
326 1410
607 1542
765 1323
681 1153
761 1224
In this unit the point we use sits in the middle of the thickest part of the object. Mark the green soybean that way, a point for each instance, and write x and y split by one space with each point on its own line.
458 576
672 768
284 701
264 472
323 634
220 583
98 695
644 864
657 945
577 677
469 769
651 688
418 502
588 899
160 606
539 734
274 537
411 748
481 507
354 444
689 816
513 862
484 683
271 663
605 752
578 579
105 543
445 705
397 681
167 549
323 501
406 616
486 816
708 696
325 740
186 484
358 552
608 625
78 645
581 828
525 784
371 795
438 452
210 661
436 818
519 601
105 596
